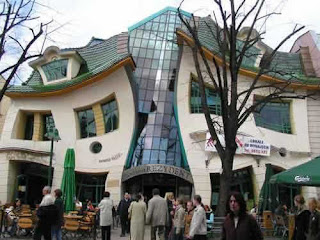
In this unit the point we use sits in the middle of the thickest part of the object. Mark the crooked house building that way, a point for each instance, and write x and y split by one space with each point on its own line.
130 108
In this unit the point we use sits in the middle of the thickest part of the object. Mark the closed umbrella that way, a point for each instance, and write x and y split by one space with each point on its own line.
68 185
268 194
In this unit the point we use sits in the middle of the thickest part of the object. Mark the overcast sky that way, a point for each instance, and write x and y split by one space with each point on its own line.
77 21
83 19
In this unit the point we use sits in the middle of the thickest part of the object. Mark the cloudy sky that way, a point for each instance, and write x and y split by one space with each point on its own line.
82 19
76 21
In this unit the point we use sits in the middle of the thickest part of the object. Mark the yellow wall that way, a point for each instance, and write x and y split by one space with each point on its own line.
37 127
98 116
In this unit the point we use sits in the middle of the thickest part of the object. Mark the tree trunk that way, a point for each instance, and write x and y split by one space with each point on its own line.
225 183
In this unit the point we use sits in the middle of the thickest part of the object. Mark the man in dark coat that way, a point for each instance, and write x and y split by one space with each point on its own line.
56 228
238 224
123 208
47 214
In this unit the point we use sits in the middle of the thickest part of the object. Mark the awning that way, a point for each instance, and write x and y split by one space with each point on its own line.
307 174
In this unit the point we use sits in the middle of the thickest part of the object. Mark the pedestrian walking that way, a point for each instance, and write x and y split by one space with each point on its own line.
302 217
105 207
198 227
314 222
169 197
137 216
188 218
56 228
47 215
178 220
238 223
157 215
123 208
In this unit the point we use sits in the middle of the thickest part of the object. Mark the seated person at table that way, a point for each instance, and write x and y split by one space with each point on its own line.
78 205
13 216
90 207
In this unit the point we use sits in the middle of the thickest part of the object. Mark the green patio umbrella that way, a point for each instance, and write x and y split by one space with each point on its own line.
68 185
268 194
306 174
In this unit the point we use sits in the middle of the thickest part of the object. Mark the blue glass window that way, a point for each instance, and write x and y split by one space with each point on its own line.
28 131
274 116
87 123
48 125
57 69
111 116
213 99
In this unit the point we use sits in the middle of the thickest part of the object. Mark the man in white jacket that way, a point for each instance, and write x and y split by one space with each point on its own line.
105 207
198 228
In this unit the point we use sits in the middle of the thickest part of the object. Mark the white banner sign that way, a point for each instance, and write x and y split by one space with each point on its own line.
255 146
246 145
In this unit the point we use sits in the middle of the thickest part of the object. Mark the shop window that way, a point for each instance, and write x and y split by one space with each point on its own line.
55 70
90 187
241 182
87 123
48 125
28 131
274 116
213 99
111 116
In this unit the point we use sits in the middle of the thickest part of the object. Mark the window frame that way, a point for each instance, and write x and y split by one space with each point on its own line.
215 108
44 121
93 122
31 130
46 70
281 127
111 112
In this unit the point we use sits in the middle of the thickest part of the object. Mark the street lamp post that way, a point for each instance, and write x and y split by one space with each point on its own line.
53 135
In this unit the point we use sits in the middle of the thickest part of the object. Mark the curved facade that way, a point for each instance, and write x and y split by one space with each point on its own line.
130 107
154 48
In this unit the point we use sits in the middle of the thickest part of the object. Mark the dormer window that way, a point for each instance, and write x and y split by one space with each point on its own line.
57 65
57 69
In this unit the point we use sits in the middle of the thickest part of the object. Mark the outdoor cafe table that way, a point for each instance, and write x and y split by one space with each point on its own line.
25 215
75 217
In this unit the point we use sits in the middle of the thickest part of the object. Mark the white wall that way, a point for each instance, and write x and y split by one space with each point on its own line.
62 108
193 129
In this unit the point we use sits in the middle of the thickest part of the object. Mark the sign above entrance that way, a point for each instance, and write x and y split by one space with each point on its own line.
245 145
157 168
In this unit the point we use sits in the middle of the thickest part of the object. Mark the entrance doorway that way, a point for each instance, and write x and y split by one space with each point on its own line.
164 182
90 187
31 179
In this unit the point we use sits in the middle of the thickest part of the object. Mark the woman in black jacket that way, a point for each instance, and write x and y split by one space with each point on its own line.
301 219
314 222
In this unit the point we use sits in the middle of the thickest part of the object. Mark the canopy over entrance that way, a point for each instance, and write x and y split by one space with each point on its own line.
306 174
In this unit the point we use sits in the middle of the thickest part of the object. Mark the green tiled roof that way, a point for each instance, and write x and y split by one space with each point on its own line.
286 66
98 55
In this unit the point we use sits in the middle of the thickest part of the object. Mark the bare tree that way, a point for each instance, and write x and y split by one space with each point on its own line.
19 33
236 104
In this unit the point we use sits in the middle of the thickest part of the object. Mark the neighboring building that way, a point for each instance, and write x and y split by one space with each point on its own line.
129 106
308 45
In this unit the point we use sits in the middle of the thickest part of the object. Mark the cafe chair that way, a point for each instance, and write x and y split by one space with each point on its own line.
71 228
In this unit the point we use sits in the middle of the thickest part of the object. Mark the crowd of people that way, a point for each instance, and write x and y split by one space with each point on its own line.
170 218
